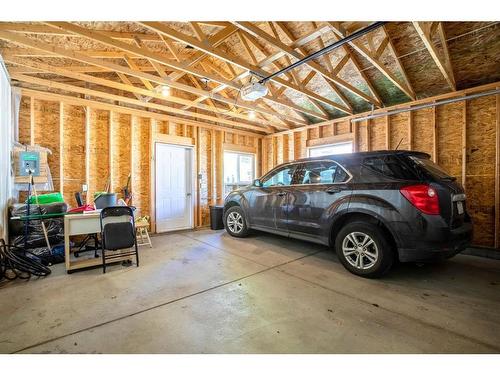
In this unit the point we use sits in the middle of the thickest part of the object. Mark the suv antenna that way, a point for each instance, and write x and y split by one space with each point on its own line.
401 140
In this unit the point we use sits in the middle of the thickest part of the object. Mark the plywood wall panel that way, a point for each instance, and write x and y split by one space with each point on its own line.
342 128
47 135
363 138
398 125
74 172
480 172
205 162
422 130
98 151
378 134
120 150
140 181
24 121
449 120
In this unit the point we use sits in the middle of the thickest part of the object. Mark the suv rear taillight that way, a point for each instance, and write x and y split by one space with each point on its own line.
422 197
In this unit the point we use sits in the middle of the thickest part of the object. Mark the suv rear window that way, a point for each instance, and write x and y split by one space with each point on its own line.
390 166
431 167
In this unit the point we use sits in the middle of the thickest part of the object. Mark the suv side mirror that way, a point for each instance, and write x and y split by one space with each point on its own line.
257 183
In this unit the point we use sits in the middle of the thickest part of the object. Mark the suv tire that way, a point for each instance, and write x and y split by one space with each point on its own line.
364 250
235 223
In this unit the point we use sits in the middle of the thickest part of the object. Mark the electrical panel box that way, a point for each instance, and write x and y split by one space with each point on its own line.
29 161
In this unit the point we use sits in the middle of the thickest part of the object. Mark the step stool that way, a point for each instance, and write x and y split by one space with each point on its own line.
142 234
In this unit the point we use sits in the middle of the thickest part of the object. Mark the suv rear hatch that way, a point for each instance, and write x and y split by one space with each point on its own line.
451 194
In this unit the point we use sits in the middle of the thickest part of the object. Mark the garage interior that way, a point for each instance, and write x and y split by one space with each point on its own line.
111 105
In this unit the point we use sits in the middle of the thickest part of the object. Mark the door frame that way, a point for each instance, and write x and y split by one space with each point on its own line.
183 142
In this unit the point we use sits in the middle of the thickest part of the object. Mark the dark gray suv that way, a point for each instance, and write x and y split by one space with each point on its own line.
373 207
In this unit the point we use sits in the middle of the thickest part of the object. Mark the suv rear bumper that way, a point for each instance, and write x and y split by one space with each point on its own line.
451 243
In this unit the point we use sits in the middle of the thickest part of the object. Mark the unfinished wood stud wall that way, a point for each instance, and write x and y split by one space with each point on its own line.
90 145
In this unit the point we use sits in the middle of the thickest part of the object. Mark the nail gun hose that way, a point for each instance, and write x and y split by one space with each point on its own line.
15 263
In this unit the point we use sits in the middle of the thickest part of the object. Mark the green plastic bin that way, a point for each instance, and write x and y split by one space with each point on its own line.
46 198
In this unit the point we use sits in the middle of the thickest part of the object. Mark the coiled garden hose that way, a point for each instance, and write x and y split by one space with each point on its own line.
15 263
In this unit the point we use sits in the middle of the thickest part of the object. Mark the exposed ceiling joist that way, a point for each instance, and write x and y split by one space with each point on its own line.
376 62
174 34
425 30
256 31
122 99
122 69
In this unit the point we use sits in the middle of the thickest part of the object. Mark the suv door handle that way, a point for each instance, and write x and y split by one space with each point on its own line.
281 193
332 190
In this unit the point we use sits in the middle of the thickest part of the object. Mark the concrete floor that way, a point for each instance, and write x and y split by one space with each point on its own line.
205 292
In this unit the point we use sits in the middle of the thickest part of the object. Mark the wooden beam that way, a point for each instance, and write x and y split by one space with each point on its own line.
43 95
410 130
40 29
256 31
406 106
174 34
377 63
387 133
464 143
355 129
119 68
88 125
368 135
123 99
497 173
401 68
32 121
424 31
129 88
434 135
61 147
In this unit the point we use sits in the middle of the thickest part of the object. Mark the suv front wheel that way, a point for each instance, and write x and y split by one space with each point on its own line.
235 223
363 249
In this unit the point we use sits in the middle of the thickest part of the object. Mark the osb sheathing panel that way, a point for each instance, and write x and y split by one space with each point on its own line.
73 151
24 121
422 130
159 126
47 135
362 136
398 131
342 128
98 151
326 130
449 125
480 178
205 162
120 150
141 164
378 134
280 147
300 141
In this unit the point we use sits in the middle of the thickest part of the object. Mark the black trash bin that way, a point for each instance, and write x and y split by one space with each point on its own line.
216 221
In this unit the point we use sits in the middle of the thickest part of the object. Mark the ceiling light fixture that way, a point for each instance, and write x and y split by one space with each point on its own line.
165 90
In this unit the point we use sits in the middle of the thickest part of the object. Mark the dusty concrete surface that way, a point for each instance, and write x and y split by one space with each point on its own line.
205 292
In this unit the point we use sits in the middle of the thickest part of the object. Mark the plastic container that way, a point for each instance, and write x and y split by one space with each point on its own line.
103 200
216 221
47 198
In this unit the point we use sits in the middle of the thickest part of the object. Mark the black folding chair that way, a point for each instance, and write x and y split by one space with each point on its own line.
118 235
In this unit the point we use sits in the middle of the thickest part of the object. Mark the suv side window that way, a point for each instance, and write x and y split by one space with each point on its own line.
281 177
321 172
390 166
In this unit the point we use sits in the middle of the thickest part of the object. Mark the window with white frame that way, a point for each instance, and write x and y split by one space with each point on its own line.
239 170
333 149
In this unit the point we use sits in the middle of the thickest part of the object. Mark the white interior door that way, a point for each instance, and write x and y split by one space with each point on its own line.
174 199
